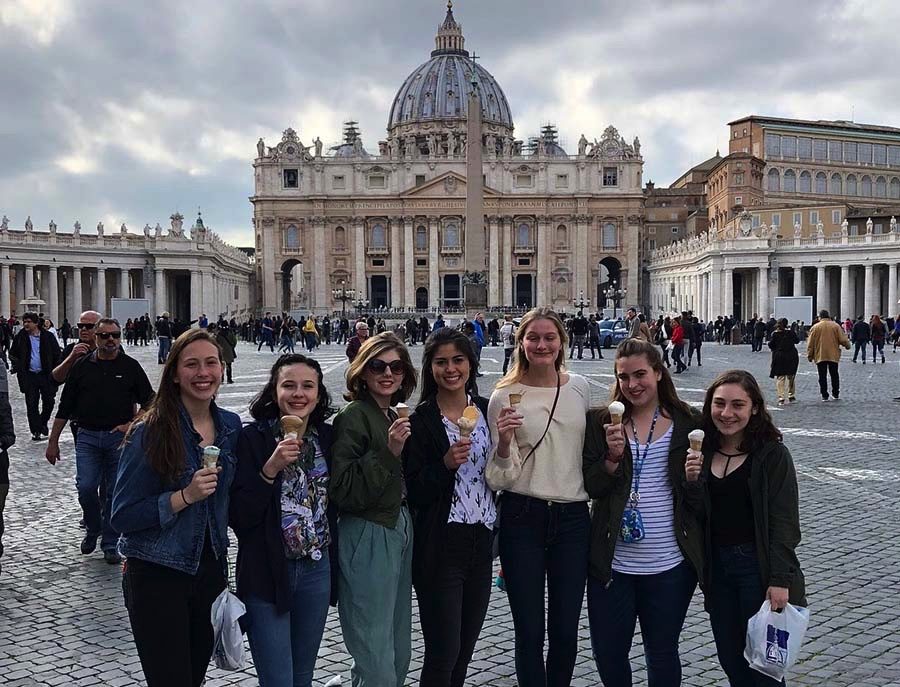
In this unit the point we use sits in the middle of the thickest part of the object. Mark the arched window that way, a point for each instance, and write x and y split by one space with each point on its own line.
851 185
609 237
340 239
790 181
379 236
451 235
805 185
774 179
523 235
292 237
561 289
836 185
562 239
895 188
421 238
821 183
866 186
881 187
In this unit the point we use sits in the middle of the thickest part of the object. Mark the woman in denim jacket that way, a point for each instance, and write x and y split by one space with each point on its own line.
173 514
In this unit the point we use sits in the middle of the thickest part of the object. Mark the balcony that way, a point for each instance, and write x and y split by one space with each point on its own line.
292 250
376 250
524 249
451 250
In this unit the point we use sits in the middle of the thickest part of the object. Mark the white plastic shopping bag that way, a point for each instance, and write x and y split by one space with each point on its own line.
774 639
228 650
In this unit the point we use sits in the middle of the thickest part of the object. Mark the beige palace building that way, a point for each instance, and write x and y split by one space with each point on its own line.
390 224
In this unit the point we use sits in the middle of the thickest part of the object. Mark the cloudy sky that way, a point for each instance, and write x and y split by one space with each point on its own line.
127 111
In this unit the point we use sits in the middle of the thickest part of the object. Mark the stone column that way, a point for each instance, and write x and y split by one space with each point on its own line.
798 281
762 286
702 300
271 295
821 289
728 292
632 229
434 283
409 265
582 257
124 283
196 295
159 293
869 292
5 304
209 307
53 286
543 260
396 283
892 289
29 281
77 306
493 261
846 294
101 291
359 269
507 261
715 293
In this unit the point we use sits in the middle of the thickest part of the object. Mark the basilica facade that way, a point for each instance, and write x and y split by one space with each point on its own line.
389 225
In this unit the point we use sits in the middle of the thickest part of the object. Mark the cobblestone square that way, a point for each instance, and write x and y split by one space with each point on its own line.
63 622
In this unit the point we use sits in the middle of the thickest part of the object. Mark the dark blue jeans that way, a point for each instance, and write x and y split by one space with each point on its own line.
660 602
541 542
285 646
736 592
96 464
165 345
861 346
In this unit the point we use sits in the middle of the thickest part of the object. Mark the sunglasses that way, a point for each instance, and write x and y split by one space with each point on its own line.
85 325
379 366
107 335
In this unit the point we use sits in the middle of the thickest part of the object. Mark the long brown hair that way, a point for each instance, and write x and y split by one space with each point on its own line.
665 388
372 348
519 365
759 430
163 441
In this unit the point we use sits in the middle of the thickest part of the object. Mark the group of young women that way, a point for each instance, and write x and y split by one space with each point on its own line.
363 510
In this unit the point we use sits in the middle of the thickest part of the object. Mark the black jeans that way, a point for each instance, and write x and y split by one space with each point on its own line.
734 596
695 347
678 357
861 346
40 396
170 618
544 542
826 367
453 604
664 345
507 354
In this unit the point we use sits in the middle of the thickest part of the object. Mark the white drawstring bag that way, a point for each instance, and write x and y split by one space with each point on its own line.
228 649
774 639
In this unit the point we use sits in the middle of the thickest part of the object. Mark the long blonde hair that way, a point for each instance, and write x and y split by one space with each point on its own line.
519 365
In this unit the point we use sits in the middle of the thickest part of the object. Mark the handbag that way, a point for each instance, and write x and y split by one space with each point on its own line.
228 642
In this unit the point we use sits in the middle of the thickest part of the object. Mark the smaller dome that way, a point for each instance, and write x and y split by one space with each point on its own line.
552 150
347 150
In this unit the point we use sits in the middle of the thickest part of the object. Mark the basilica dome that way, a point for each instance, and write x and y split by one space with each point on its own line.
438 90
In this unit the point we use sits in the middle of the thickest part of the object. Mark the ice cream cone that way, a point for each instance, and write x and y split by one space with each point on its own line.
210 456
402 410
515 399
468 421
293 426
616 412
696 439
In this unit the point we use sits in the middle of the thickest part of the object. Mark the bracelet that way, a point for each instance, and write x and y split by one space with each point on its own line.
262 473
186 502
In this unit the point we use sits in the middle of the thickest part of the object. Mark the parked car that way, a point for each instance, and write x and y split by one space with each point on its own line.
612 332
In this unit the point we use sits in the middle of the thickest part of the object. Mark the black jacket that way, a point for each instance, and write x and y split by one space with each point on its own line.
255 517
20 354
785 358
429 484
861 332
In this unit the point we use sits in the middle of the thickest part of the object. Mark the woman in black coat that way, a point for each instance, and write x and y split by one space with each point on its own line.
785 360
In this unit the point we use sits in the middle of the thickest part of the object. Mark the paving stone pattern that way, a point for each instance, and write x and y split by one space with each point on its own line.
62 619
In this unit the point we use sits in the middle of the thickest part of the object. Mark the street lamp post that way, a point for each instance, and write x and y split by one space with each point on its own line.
581 303
343 295
361 304
615 294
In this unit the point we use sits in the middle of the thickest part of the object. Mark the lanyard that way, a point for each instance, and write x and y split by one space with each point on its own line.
639 459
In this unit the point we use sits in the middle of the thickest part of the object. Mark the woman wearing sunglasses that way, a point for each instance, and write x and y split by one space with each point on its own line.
453 508
375 530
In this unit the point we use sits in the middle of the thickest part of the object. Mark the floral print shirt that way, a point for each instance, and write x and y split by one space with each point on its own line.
304 502
472 501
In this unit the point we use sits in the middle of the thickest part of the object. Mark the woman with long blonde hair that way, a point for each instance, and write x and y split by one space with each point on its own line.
544 524
375 540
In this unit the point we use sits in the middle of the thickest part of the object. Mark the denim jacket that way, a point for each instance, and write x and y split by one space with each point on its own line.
142 511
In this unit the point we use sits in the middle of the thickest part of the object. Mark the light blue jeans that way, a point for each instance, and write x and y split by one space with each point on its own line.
96 465
285 646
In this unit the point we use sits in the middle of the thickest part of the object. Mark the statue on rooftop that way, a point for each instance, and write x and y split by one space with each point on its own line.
260 148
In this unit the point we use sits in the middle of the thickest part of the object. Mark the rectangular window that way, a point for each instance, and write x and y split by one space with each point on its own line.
738 200
879 154
420 179
652 231
523 180
756 221
291 178
651 244
804 148
878 228
854 230
524 262
813 217
773 145
798 218
610 176
894 156
789 146
865 153
835 151
237 292
674 230
776 220
849 151
820 150
421 262
377 262
376 181
562 181
835 216
739 179
338 181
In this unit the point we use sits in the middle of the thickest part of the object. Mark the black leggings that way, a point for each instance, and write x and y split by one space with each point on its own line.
170 618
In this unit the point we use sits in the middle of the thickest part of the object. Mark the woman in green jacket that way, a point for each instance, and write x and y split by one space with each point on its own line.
376 540
754 520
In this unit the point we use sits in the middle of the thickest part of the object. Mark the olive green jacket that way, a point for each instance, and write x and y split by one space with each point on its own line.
609 494
366 478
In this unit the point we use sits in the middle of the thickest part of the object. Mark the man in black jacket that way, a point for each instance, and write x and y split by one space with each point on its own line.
860 336
34 354
7 439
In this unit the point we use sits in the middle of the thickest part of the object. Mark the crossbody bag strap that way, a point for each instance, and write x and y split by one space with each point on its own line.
549 420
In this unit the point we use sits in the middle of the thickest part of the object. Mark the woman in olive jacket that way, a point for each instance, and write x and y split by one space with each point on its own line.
653 579
753 525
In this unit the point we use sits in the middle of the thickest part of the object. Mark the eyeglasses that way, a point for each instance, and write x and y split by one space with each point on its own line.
106 335
378 366
85 325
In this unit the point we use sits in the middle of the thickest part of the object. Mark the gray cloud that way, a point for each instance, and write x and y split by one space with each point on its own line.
128 111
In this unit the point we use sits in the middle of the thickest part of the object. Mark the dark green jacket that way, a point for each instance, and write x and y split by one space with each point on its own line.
776 518
610 494
366 478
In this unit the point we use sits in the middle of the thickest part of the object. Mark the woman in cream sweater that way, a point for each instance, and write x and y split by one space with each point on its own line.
544 522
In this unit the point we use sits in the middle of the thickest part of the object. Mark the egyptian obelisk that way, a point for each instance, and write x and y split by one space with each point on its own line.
475 284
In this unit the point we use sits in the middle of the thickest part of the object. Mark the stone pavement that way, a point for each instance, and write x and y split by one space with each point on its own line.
62 620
